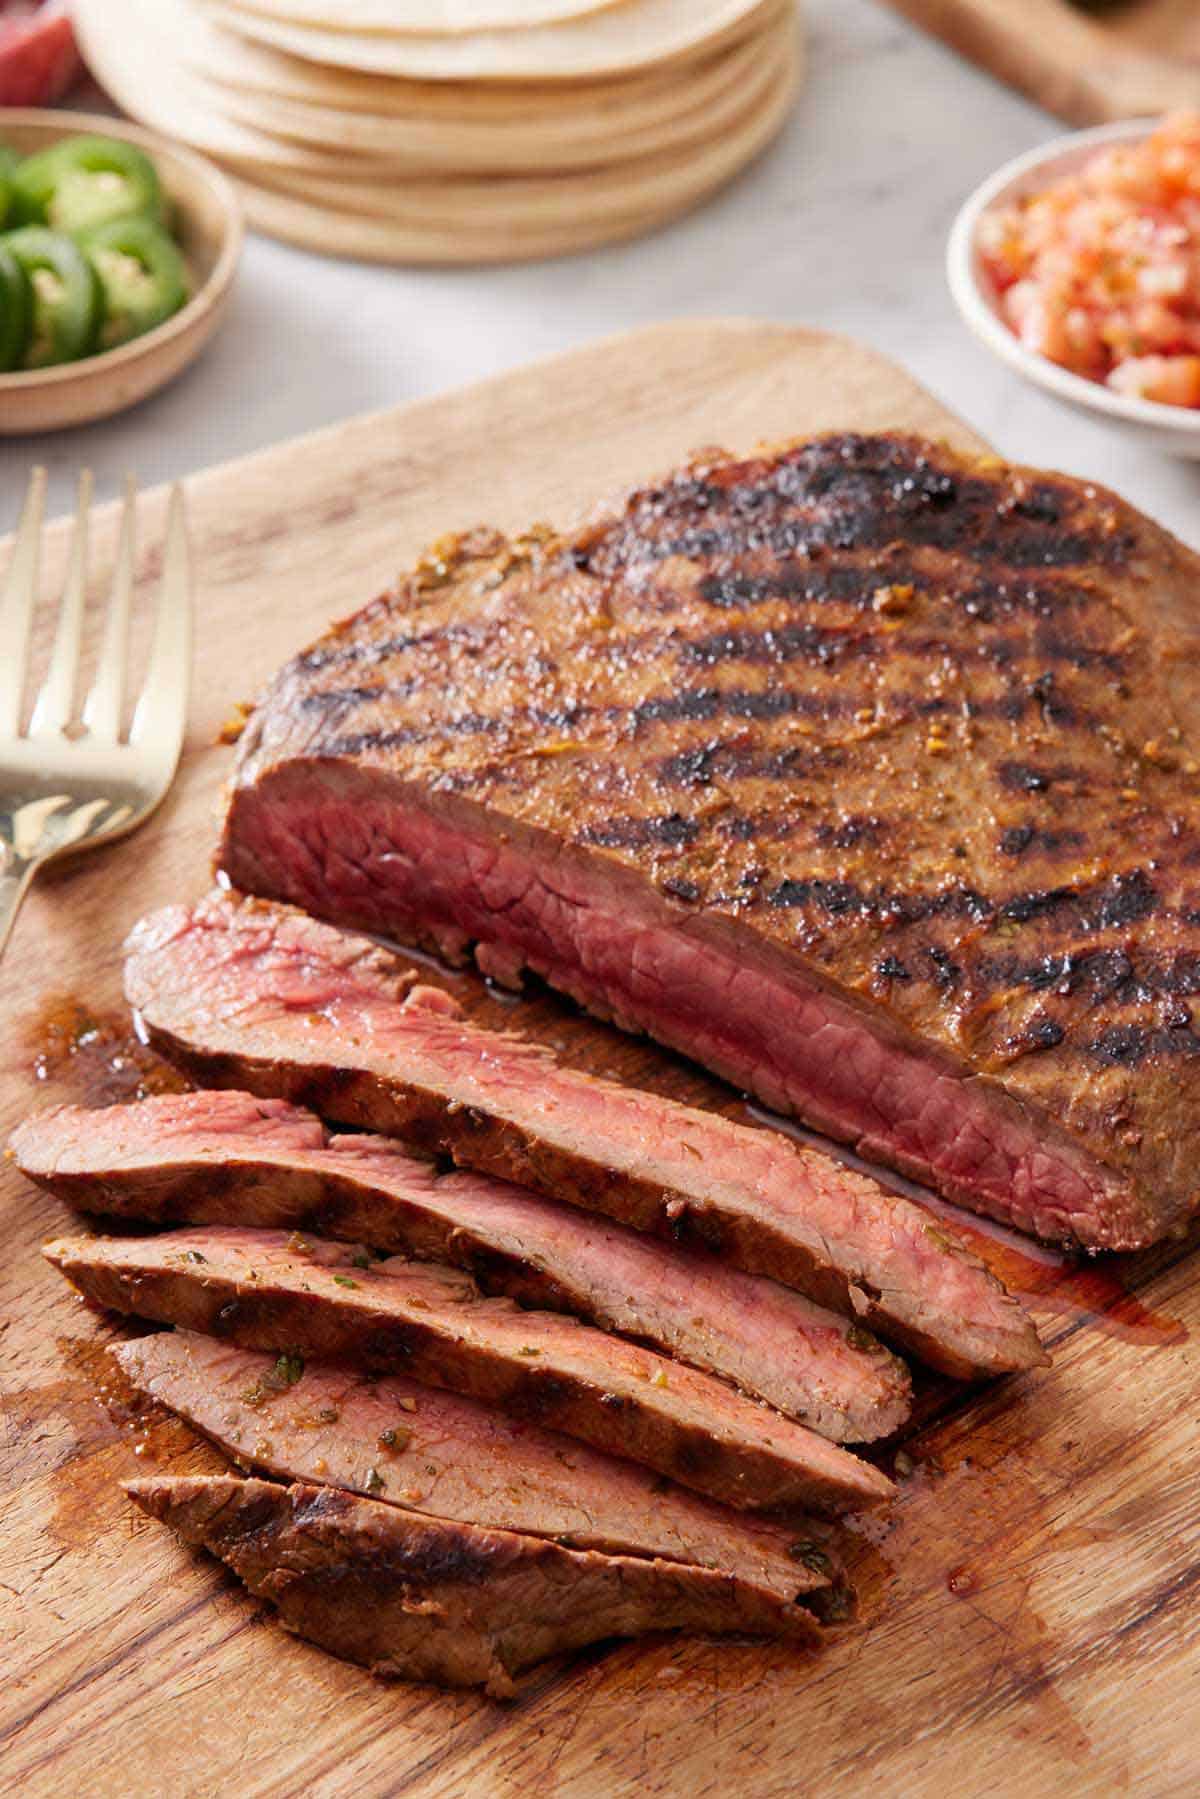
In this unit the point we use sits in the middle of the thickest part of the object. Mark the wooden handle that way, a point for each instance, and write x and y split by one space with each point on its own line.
1067 63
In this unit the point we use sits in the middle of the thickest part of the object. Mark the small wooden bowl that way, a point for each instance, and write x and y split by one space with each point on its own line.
207 223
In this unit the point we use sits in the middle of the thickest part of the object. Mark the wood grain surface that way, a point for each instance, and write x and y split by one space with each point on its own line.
1030 1606
1125 61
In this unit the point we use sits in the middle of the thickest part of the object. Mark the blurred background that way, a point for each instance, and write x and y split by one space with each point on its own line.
841 224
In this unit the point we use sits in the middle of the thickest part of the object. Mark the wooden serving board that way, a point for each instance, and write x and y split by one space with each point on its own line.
1030 1619
1124 61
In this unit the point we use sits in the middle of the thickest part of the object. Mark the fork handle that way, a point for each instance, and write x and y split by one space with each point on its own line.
15 877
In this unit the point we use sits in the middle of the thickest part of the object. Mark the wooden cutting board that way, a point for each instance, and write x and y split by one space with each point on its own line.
1124 61
1030 1619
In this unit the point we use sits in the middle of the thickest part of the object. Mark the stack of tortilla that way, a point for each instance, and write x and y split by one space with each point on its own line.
448 131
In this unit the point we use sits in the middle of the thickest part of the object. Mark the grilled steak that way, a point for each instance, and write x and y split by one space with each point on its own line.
427 1600
861 772
451 1457
262 1290
253 996
228 1158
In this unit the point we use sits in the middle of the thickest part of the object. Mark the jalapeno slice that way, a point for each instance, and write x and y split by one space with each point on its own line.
142 274
8 163
65 292
83 182
16 311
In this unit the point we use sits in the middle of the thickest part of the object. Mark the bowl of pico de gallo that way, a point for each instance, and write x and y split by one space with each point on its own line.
1078 265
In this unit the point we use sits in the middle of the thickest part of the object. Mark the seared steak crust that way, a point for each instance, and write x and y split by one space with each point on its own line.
862 772
413 1596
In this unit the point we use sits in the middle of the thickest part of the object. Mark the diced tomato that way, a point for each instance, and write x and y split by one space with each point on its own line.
38 58
1173 380
1100 271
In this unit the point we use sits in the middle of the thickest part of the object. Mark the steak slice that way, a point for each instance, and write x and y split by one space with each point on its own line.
429 1600
440 1454
228 1158
253 996
860 771
257 1290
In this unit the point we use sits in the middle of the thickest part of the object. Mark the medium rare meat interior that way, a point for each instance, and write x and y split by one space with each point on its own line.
228 1158
859 771
261 1289
254 995
449 1457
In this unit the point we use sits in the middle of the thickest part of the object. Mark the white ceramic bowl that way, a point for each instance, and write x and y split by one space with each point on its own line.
1175 429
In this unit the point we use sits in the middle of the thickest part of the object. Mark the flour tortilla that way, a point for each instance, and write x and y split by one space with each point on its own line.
237 63
422 234
450 18
649 185
135 61
577 139
353 203
366 239
633 35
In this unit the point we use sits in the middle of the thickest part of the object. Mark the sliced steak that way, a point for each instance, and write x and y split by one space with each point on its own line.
254 996
862 772
438 1453
429 1600
228 1158
262 1290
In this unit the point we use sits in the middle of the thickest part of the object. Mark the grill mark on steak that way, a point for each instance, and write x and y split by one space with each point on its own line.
1046 696
826 648
1016 840
635 833
985 598
226 1158
885 712
1100 975
453 1603
862 527
253 996
852 587
255 1289
791 643
449 1457
852 493
820 647
730 763
837 897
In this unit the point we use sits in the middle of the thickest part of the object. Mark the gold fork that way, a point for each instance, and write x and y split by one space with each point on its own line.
65 788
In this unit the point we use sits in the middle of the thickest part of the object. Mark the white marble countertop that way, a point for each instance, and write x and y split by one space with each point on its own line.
843 225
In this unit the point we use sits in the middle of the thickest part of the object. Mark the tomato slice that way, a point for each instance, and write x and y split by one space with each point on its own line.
38 57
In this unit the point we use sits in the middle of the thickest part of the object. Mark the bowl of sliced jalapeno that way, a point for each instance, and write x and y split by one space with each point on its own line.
117 256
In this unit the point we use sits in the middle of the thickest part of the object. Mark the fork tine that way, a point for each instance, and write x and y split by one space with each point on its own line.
161 715
52 709
17 603
103 707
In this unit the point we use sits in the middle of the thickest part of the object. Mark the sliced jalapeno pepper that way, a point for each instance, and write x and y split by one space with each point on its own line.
85 181
8 163
65 293
142 275
16 311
